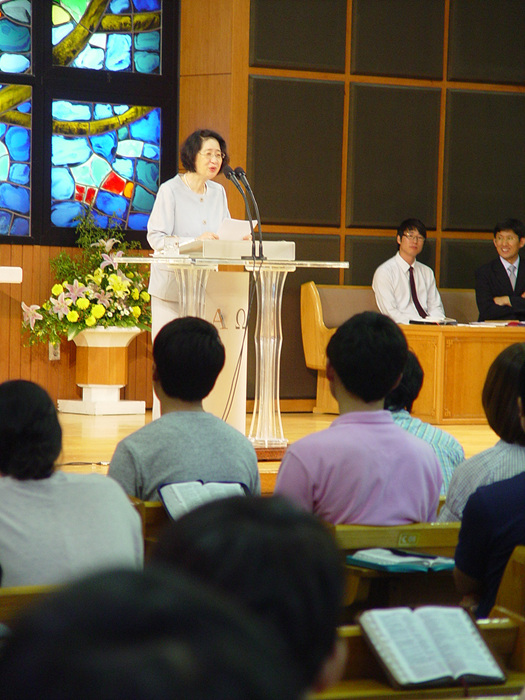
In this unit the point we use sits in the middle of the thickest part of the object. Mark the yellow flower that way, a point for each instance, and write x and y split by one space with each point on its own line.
91 321
98 311
83 303
96 277
57 289
135 294
135 310
72 316
145 296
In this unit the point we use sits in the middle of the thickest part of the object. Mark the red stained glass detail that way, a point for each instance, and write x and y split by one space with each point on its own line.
90 194
79 193
114 183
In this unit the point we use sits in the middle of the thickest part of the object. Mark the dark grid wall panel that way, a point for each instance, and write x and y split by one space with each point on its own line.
398 37
484 159
294 149
459 260
392 155
486 41
290 34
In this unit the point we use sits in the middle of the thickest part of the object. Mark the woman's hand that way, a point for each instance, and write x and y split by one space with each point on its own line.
207 235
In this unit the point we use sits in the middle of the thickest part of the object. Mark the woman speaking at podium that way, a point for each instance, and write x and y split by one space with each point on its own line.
190 207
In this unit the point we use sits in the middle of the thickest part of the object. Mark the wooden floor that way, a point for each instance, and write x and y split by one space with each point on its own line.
89 441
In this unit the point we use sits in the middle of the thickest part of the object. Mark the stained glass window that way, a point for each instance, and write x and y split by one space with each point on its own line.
121 35
15 36
15 159
104 156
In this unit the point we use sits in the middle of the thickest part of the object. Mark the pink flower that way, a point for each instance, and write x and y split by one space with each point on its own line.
110 259
60 306
75 290
31 314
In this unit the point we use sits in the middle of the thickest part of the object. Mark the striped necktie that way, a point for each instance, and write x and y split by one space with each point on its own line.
512 275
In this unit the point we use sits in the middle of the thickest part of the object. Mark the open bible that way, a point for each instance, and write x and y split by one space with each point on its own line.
179 498
398 560
429 646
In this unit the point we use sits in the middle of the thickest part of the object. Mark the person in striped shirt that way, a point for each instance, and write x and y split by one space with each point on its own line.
507 458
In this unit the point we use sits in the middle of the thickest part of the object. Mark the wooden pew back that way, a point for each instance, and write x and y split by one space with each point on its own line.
16 599
154 520
431 538
511 591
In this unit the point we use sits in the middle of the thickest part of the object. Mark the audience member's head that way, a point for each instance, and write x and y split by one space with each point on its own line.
500 394
514 225
407 391
188 356
368 353
30 434
277 560
143 636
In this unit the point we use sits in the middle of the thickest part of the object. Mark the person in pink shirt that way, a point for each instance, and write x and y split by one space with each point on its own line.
363 468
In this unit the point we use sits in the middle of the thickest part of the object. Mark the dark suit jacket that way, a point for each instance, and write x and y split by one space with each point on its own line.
492 280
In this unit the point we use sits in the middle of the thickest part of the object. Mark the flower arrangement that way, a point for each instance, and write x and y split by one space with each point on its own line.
91 290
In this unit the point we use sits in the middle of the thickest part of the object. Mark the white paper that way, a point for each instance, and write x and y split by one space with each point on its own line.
235 229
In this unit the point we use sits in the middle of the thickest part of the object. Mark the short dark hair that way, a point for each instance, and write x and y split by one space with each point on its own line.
143 636
515 225
368 353
189 356
30 434
500 394
410 225
407 391
275 558
193 143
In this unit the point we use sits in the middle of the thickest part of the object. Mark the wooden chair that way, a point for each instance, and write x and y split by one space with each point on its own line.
324 307
154 520
18 598
366 588
365 679
511 591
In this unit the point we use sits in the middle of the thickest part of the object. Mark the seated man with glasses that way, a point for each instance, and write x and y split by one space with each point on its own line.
406 289
500 284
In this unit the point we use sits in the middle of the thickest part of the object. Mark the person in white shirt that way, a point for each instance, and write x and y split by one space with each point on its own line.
392 280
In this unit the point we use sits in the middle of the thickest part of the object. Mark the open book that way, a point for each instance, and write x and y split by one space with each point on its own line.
398 560
429 646
429 321
183 497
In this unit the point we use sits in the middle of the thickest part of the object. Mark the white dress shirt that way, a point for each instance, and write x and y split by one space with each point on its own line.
391 285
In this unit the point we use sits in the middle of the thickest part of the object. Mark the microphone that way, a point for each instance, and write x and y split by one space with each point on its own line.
231 175
239 172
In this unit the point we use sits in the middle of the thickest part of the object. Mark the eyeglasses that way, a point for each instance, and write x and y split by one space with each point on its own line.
414 237
212 155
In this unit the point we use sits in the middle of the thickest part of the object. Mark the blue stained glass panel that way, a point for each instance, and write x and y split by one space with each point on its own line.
111 165
15 36
15 159
110 44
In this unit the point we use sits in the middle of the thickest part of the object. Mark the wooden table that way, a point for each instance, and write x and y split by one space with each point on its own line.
455 360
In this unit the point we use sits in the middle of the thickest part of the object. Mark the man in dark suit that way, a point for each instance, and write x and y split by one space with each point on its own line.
500 284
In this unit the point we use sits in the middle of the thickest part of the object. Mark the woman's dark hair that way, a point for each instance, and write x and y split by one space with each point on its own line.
501 391
193 144
30 434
